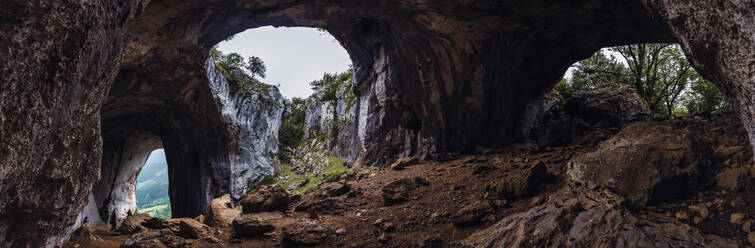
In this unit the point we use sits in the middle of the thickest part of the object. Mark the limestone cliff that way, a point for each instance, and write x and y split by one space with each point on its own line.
323 125
254 120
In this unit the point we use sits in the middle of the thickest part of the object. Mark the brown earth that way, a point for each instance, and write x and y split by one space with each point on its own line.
468 187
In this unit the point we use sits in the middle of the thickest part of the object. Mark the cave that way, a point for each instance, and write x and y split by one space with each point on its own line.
91 80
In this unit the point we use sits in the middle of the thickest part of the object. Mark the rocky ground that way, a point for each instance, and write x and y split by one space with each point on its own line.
627 178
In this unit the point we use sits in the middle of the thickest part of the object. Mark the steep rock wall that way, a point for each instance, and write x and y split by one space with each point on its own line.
57 62
254 122
333 119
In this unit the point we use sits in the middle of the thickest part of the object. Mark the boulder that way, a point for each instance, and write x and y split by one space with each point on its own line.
472 213
614 104
274 198
221 212
249 226
134 223
585 215
155 223
646 162
401 163
323 199
150 239
520 182
733 179
398 191
304 232
332 189
188 228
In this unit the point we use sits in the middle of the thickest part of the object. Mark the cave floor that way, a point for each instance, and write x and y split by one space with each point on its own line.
426 218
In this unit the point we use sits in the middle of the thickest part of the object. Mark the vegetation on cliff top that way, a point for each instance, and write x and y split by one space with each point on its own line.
243 75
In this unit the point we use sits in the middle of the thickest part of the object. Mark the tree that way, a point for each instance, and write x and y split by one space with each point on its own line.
242 74
598 70
256 67
703 97
659 73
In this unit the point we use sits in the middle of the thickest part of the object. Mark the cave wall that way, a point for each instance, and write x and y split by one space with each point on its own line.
718 38
430 76
122 160
57 62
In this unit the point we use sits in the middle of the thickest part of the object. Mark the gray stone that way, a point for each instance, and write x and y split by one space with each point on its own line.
646 162
567 219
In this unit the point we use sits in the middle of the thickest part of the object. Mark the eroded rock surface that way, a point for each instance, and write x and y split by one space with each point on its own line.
618 104
570 219
221 212
266 199
646 162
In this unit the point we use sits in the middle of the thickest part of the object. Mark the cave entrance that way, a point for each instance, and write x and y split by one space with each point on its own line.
293 57
314 74
152 186
658 72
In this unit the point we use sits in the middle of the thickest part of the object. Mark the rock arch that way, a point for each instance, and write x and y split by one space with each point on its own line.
431 76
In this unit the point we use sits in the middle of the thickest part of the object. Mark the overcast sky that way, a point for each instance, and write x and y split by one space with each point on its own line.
293 56
157 156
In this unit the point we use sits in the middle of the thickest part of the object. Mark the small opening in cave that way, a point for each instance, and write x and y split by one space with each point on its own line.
152 186
658 72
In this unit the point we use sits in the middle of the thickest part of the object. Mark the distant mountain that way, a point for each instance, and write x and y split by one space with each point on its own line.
152 186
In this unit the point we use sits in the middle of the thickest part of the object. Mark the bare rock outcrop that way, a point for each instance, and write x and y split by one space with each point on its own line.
617 104
221 212
274 198
585 215
646 162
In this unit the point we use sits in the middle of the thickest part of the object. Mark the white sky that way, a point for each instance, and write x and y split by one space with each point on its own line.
606 51
293 56
156 156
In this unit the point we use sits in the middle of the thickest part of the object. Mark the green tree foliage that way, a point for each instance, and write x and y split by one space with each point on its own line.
599 70
241 73
703 97
291 132
660 73
326 89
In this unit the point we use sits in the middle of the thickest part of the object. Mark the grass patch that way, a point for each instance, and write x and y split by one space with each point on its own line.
159 211
287 176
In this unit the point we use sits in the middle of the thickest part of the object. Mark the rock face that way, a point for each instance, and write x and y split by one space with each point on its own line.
221 212
612 104
273 198
58 62
305 232
333 118
429 77
253 123
646 162
567 219
249 226
717 37
327 128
